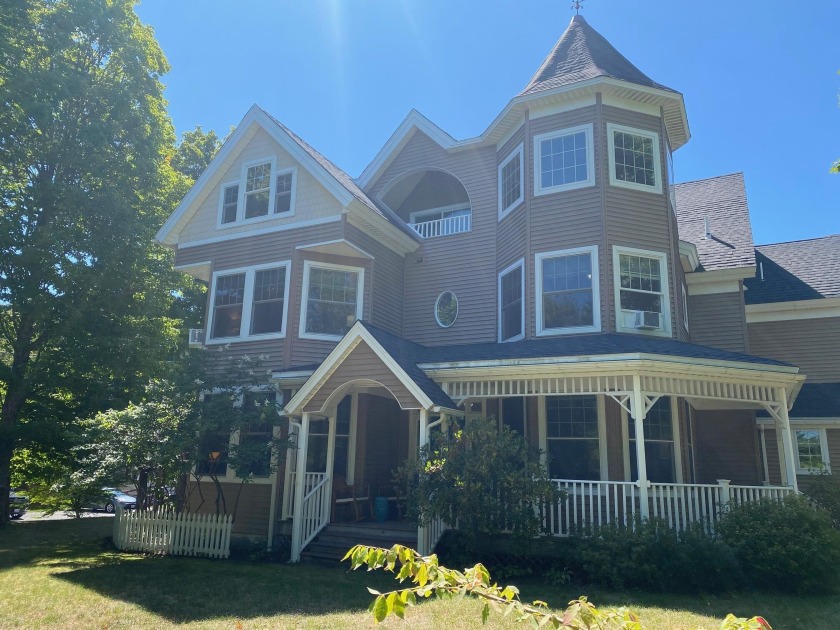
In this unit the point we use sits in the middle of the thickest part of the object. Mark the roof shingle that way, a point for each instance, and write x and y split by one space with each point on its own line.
797 270
581 54
722 201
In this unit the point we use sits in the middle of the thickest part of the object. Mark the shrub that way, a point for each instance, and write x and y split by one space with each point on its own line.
824 490
787 545
653 556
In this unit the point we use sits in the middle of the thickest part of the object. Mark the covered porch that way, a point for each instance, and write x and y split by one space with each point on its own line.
695 417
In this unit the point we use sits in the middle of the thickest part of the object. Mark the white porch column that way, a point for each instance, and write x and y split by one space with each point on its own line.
423 439
637 408
783 425
300 474
332 422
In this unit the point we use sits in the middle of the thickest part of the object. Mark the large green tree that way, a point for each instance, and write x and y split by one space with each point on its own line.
85 181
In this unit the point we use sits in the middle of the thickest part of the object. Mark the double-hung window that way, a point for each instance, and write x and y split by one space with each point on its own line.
811 448
332 300
641 287
262 192
634 158
567 291
573 437
249 302
563 160
512 302
511 181
659 444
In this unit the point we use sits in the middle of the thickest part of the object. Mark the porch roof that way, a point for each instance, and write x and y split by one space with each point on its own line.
815 400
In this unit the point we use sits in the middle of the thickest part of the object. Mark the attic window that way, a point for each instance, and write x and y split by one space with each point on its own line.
262 193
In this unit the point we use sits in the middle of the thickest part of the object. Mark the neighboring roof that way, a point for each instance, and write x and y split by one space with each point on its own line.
580 54
339 183
797 270
815 400
722 201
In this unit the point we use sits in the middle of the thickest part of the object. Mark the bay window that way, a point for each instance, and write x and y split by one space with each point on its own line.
332 300
568 299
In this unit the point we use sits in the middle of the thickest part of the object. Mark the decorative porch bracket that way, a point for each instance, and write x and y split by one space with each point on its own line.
623 400
779 412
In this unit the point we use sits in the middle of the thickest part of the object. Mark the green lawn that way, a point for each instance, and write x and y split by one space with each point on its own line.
60 573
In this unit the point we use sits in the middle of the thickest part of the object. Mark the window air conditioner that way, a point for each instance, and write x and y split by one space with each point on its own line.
196 337
647 320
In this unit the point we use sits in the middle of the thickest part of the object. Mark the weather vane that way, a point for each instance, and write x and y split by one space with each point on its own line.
576 6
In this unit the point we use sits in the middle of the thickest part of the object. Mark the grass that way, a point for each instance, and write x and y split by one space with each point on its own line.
62 574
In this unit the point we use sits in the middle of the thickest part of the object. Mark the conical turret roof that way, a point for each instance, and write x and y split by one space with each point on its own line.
581 54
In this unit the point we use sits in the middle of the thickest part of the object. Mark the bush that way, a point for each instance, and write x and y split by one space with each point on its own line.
824 490
653 556
788 545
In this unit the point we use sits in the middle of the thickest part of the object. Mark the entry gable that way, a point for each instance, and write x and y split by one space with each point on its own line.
359 357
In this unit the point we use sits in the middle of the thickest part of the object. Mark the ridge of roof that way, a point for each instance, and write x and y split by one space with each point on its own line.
343 178
799 240
704 180
580 54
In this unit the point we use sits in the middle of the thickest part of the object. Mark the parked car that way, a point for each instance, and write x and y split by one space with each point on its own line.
17 504
112 498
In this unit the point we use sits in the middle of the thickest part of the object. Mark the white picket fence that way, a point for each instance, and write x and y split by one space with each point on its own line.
184 534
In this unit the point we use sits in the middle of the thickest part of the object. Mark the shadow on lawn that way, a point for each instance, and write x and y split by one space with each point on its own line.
33 542
195 589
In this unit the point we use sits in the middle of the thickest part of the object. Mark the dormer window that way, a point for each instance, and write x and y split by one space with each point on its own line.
563 160
262 193
634 158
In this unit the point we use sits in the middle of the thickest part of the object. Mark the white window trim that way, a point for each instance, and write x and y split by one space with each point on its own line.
230 473
304 300
457 309
603 455
520 151
666 293
657 166
293 192
823 449
592 250
521 264
685 305
240 202
590 160
247 304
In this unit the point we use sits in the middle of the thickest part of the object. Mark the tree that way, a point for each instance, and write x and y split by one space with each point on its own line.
85 182
486 480
195 151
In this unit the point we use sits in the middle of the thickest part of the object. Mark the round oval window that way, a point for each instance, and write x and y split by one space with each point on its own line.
446 309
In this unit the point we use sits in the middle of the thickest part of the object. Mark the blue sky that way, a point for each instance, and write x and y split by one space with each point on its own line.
759 78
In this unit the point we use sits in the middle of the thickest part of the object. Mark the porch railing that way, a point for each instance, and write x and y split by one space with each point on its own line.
315 513
429 536
591 503
310 480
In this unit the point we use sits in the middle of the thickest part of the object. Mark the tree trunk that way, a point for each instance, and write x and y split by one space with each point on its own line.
12 404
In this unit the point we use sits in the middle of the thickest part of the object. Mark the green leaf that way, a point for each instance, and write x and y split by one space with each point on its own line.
380 608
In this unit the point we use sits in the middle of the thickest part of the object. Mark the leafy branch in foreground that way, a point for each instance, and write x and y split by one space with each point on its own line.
432 579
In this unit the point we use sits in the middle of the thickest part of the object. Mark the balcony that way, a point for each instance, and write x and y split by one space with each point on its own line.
445 226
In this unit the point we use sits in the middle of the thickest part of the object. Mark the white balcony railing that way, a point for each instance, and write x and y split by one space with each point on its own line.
443 227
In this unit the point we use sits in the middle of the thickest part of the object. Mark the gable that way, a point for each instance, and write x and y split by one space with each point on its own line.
312 201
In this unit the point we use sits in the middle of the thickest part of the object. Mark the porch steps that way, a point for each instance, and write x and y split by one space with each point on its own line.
336 539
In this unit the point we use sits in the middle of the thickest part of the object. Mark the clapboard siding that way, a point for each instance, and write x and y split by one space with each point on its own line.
717 320
387 281
463 263
566 219
635 218
312 200
811 344
362 363
306 351
252 511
